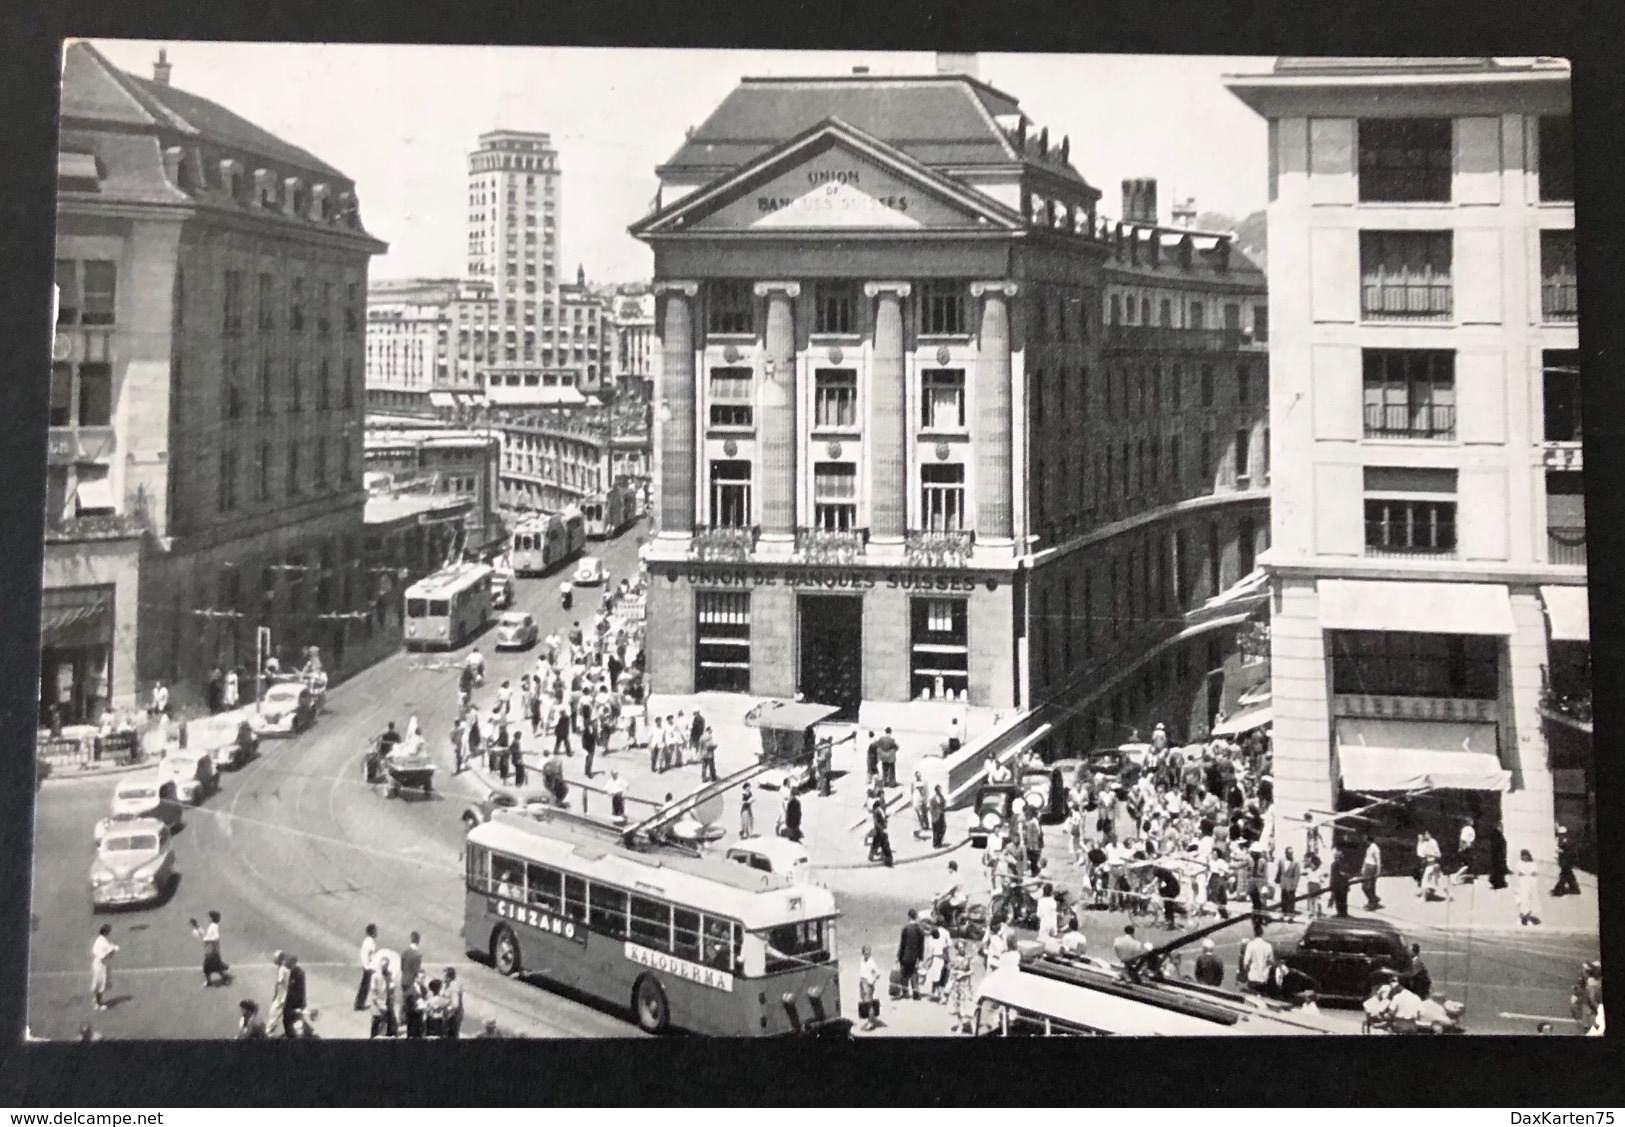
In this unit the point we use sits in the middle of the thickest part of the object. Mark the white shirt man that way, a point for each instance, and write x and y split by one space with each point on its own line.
160 697
369 953
1049 917
229 693
1256 960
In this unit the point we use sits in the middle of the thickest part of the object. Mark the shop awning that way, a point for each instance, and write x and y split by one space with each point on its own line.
1245 720
95 495
80 616
1569 611
442 399
1424 608
1381 756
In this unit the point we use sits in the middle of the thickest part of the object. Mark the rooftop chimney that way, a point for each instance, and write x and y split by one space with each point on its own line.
161 68
1140 200
1183 212
954 62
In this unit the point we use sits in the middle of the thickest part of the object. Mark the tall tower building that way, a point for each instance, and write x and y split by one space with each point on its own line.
513 232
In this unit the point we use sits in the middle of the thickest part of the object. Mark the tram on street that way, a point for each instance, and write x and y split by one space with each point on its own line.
544 542
683 940
450 606
606 515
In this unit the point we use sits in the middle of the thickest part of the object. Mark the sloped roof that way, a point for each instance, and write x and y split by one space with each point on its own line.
936 119
94 89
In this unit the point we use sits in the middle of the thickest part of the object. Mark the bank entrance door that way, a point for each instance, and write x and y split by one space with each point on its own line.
831 652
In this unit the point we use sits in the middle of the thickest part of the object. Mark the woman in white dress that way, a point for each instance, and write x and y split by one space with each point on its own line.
1527 889
936 962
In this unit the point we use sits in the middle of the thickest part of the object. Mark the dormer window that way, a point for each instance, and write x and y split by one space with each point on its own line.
264 188
321 203
232 180
293 196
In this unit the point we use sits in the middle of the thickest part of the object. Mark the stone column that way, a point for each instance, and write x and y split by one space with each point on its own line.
776 431
677 410
994 419
888 416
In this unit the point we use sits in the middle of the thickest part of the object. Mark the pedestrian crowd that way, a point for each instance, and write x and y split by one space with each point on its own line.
403 998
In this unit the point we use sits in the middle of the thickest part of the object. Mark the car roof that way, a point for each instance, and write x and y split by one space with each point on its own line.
516 616
1351 924
286 688
134 782
141 825
775 848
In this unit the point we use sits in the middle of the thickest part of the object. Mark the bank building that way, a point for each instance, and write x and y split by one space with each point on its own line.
901 454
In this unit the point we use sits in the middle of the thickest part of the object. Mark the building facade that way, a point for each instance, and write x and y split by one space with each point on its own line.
633 355
1427 569
551 459
206 393
440 460
427 340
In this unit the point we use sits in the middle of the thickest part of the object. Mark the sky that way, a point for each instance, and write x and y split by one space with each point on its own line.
400 121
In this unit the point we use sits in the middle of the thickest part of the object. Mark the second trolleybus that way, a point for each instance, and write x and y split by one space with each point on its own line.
681 940
450 606
544 542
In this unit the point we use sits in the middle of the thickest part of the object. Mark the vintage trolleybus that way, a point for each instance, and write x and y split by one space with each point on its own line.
541 543
446 608
607 514
685 941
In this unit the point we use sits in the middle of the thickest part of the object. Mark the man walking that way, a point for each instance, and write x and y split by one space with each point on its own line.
1209 971
708 756
910 950
1257 958
561 733
792 815
823 763
869 991
1566 885
1287 874
589 745
294 999
369 952
1370 870
888 759
939 817
695 731
101 951
411 970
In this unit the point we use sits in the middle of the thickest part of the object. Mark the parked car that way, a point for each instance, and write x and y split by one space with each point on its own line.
990 811
240 745
135 864
193 773
773 855
288 708
113 823
1344 955
478 813
589 572
516 630
145 795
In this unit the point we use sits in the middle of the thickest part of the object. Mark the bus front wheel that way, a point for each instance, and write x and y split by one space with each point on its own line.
505 952
649 1003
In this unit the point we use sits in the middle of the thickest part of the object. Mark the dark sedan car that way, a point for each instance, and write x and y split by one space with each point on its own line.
1345 955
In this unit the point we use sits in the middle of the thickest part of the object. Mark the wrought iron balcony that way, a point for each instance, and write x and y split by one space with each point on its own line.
130 524
949 548
723 545
1566 545
828 546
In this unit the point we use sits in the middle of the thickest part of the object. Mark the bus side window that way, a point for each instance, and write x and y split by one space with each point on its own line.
479 872
716 943
509 877
685 931
608 913
544 885
651 924
575 898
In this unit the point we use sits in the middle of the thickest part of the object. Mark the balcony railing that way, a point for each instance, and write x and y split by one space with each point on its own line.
1401 420
1389 552
939 549
1167 338
1566 546
1559 297
723 545
130 524
827 546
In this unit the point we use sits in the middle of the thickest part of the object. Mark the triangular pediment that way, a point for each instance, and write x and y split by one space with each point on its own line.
833 178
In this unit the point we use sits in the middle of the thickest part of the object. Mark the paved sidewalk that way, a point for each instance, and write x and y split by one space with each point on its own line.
1477 907
834 826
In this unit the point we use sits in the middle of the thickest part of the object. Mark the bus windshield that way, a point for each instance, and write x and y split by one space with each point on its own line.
417 608
794 945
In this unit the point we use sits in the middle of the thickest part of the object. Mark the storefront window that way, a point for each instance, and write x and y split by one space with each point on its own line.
939 649
722 641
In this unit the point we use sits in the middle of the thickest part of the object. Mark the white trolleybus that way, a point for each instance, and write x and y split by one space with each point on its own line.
544 542
683 940
445 609
607 514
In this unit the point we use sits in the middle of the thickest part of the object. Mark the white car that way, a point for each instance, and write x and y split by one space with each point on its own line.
193 773
773 855
589 572
287 709
145 795
516 630
134 864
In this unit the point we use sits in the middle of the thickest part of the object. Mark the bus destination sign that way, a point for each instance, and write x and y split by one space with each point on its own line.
681 968
539 919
